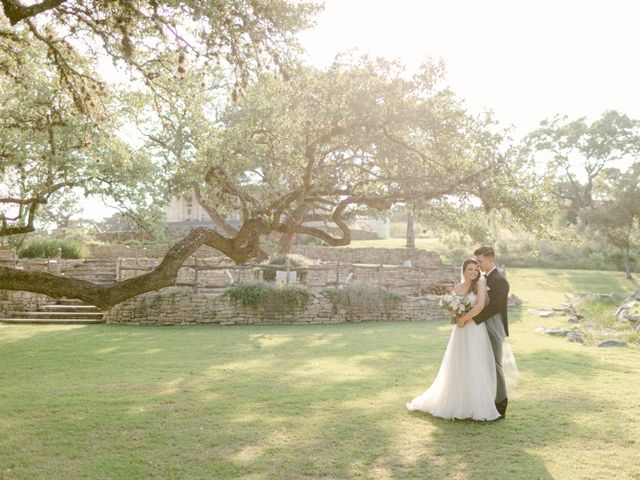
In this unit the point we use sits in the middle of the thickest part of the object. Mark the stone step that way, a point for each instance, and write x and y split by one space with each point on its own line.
89 269
54 315
70 301
69 308
50 321
76 273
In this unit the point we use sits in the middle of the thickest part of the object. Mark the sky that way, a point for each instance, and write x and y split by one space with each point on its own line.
524 60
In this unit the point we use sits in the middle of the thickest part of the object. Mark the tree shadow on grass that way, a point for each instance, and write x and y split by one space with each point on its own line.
194 403
478 450
285 402
508 448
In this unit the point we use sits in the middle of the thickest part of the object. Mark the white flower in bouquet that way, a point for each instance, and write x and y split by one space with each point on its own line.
455 304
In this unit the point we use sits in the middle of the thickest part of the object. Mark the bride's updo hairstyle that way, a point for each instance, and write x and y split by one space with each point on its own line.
474 283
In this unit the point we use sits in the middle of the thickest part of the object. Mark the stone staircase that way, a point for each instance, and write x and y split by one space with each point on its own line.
67 311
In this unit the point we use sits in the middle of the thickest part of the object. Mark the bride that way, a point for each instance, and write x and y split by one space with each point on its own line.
465 386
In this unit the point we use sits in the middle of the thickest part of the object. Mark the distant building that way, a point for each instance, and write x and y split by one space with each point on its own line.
185 213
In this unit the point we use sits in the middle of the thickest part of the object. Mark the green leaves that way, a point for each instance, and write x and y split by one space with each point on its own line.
243 37
576 153
358 136
50 154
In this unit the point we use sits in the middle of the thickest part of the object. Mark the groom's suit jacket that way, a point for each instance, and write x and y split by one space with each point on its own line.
498 295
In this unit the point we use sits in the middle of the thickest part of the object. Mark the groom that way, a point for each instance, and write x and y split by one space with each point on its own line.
495 317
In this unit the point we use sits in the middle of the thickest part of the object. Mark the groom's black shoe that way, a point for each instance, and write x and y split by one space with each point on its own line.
502 407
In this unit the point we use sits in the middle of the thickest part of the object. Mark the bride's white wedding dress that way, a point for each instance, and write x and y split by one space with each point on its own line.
465 386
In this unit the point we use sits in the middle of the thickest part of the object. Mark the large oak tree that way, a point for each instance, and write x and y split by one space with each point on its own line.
317 147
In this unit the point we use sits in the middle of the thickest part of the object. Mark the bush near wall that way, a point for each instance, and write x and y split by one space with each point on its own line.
269 297
49 247
357 298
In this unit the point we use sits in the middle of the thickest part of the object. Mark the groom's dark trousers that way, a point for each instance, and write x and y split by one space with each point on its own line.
495 316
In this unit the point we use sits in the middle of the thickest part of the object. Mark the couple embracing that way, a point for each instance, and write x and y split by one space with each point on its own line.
478 367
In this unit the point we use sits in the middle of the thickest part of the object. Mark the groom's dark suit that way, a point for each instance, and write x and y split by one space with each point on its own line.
498 296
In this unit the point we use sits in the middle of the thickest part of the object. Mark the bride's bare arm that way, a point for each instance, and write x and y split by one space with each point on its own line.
480 302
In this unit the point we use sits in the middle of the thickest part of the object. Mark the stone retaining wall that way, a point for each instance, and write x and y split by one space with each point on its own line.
15 301
180 306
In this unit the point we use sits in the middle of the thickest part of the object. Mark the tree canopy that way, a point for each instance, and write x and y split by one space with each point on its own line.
48 151
244 36
616 213
319 146
227 111
326 145
578 152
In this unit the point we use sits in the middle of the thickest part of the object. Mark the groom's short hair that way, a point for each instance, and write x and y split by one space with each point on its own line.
485 252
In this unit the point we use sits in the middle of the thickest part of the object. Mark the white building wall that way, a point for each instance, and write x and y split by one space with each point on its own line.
185 209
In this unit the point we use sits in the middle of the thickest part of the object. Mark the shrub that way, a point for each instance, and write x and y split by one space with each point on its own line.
269 297
357 297
48 248
309 240
295 260
523 250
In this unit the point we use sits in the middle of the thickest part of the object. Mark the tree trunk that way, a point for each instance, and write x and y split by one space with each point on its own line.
581 224
286 242
627 267
411 234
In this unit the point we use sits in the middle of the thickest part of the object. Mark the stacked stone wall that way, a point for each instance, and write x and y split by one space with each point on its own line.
179 306
16 301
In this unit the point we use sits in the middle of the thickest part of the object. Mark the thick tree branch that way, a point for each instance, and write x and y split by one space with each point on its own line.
217 175
240 249
16 12
213 213
9 230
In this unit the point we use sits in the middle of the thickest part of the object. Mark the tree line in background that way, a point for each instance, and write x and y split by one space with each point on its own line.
590 174
213 98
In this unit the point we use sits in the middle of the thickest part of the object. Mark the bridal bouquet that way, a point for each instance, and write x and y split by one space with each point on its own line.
455 304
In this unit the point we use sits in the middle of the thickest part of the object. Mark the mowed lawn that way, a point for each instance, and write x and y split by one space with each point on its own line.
311 402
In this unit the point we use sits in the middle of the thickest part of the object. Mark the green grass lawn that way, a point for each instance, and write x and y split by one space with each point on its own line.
311 402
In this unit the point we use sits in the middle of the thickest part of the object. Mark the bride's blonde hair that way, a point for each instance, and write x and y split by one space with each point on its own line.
474 283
